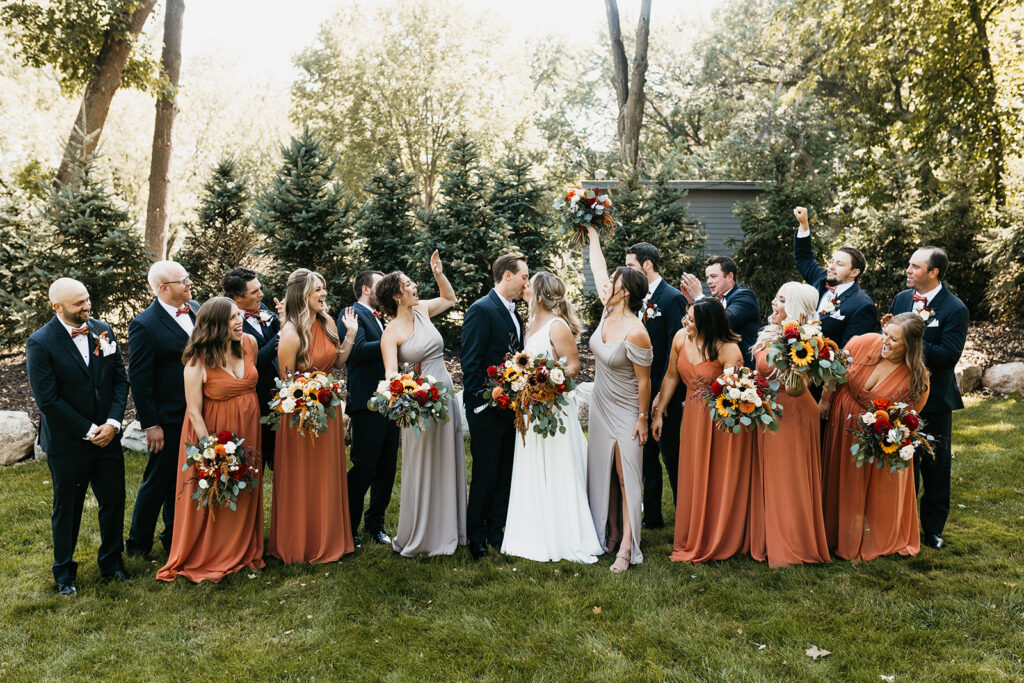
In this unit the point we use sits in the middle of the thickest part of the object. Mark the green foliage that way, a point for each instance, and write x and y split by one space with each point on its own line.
23 240
223 237
305 218
1004 257
518 201
386 224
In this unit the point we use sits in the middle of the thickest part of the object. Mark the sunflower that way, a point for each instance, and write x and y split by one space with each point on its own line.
720 407
802 354
889 447
523 361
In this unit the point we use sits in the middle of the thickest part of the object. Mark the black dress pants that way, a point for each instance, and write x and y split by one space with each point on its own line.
374 458
157 492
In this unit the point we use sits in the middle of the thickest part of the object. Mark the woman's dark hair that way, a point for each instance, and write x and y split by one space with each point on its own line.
634 283
388 291
712 327
211 340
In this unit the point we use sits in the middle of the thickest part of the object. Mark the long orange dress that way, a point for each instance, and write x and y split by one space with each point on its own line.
714 477
309 519
205 546
868 511
786 524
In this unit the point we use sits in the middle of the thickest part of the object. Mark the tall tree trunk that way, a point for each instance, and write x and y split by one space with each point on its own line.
629 84
163 133
997 151
99 91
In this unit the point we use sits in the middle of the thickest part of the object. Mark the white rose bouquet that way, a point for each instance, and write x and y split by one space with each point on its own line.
222 467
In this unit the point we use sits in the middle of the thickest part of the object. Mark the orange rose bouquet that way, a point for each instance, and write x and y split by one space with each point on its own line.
222 468
889 435
533 387
742 400
412 401
306 400
803 352
579 209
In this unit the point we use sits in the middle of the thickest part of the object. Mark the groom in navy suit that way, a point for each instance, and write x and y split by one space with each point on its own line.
78 381
662 314
375 438
945 334
491 329
740 303
156 340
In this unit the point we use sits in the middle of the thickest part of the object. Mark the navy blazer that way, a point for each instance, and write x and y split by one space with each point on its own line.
72 396
488 333
856 314
744 318
944 339
155 371
365 366
266 357
662 329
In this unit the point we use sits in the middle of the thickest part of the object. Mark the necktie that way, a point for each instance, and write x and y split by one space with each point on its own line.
184 310
831 289
84 329
920 297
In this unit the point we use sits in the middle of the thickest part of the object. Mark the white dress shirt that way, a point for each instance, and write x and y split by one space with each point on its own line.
918 305
651 287
829 296
512 312
254 324
81 343
372 312
185 321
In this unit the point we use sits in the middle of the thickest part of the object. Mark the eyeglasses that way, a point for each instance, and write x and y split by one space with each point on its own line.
181 282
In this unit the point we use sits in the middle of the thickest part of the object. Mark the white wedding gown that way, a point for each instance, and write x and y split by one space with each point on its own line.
548 514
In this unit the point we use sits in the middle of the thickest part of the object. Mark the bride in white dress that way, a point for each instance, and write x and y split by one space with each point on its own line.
548 514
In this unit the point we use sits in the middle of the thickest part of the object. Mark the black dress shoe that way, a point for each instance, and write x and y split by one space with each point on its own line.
119 575
380 537
356 541
652 525
67 588
934 541
477 549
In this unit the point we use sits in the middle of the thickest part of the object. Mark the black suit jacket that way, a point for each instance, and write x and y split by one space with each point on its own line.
365 366
488 333
266 357
662 330
155 371
72 396
856 314
744 318
944 339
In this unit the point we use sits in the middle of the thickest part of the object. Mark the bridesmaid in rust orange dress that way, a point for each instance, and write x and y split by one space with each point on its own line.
714 466
220 390
870 512
309 520
786 524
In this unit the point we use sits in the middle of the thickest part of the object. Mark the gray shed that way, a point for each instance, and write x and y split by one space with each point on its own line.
709 202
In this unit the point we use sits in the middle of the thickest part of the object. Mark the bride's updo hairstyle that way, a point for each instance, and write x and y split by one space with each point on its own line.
549 294
634 286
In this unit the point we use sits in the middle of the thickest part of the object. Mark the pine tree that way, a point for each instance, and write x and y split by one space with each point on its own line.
306 219
223 237
386 224
24 241
518 200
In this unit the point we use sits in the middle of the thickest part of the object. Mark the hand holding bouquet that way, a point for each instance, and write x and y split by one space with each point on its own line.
742 400
580 209
534 388
222 469
802 352
306 400
412 401
889 436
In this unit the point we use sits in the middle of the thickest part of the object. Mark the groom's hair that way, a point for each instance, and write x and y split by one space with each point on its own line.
236 281
364 279
857 259
506 263
726 263
645 251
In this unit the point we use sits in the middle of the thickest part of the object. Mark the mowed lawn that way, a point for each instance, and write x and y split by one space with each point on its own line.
954 614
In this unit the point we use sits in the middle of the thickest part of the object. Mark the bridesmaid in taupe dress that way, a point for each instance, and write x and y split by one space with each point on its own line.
618 404
432 512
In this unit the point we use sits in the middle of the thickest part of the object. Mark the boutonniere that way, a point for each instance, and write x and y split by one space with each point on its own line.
103 344
265 316
649 311
927 314
829 307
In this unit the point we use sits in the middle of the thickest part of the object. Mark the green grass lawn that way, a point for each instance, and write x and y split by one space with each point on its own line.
954 614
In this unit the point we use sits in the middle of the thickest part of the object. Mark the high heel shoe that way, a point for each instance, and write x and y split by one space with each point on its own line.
621 563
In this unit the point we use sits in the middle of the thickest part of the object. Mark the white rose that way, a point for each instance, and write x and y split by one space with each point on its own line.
429 379
203 484
557 376
907 452
518 385
868 419
383 387
288 405
894 436
749 395
733 393
230 447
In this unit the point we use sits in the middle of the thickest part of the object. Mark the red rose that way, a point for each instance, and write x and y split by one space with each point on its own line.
434 394
223 437
716 388
882 426
492 372
912 421
761 383
882 403
324 397
560 388
420 397
791 333
503 401
395 386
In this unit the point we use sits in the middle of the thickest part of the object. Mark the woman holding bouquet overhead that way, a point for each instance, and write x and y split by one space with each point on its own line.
785 524
220 392
309 520
870 511
714 465
432 512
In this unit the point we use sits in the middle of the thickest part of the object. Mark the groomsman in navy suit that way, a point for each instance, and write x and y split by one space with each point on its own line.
945 334
156 340
242 286
740 304
375 438
78 381
662 314
491 329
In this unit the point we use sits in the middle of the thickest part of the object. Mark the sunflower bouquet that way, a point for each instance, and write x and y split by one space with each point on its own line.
222 468
412 401
580 209
889 436
534 388
306 400
804 353
742 400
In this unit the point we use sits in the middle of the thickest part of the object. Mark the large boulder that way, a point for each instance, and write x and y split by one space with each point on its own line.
17 436
583 392
1006 378
968 377
133 438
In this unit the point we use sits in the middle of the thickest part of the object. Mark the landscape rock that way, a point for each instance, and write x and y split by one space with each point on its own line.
968 377
1006 378
17 434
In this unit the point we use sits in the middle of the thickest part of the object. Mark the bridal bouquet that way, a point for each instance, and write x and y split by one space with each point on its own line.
580 209
222 469
306 400
533 387
741 400
412 401
802 352
889 436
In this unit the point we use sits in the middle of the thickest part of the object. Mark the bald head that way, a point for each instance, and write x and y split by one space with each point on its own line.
70 300
169 281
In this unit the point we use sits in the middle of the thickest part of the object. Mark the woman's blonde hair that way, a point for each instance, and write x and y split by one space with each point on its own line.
801 307
913 326
301 284
549 293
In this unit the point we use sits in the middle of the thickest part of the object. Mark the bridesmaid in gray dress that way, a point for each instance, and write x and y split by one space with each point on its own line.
618 405
432 512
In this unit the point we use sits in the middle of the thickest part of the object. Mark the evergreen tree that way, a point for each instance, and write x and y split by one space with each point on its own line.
306 219
518 200
223 237
24 240
386 224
